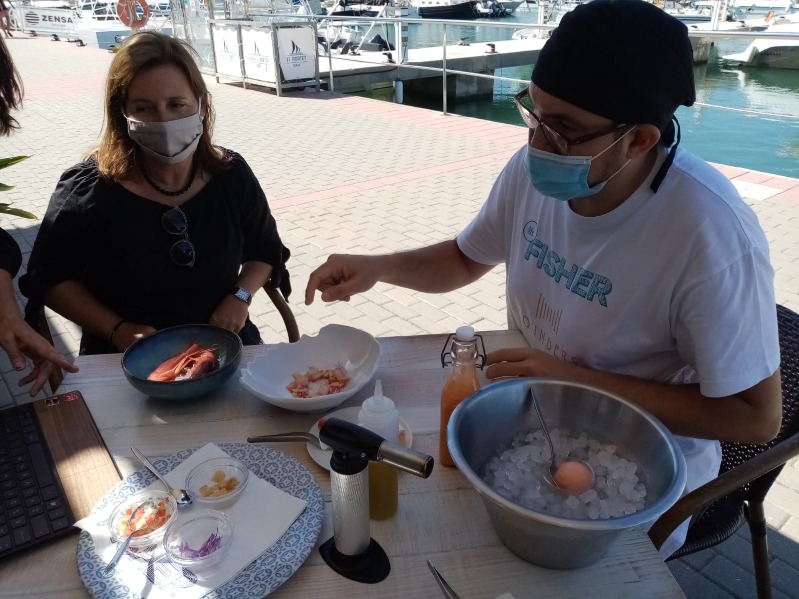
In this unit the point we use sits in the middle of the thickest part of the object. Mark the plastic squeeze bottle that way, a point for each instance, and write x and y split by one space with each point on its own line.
460 384
380 416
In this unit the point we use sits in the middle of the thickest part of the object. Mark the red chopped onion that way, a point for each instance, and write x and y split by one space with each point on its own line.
211 544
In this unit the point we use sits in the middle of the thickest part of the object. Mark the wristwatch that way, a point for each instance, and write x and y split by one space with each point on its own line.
242 294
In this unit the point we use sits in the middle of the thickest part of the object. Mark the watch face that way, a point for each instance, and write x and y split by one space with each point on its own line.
243 295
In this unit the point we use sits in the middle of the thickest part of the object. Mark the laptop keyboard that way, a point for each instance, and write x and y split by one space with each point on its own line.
33 506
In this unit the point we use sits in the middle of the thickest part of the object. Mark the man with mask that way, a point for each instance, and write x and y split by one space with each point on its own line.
657 271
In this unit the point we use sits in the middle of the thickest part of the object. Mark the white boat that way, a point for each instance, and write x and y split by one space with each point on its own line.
769 52
511 7
356 38
446 9
86 22
349 8
495 9
691 15
753 9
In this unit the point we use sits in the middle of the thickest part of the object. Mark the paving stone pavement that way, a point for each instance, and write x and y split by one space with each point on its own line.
347 174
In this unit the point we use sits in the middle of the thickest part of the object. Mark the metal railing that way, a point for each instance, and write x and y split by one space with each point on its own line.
401 23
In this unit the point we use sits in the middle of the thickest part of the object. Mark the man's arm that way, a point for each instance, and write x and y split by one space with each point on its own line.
751 416
434 269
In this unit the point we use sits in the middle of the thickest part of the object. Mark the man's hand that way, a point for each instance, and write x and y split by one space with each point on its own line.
523 361
342 276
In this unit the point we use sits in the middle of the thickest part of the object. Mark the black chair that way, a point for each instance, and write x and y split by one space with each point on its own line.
719 508
292 330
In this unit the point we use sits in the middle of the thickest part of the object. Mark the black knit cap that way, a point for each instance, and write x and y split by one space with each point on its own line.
626 60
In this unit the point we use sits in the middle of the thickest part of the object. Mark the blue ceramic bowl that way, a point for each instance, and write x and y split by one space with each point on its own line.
144 356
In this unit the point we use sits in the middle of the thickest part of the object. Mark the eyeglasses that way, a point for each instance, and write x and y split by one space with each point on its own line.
558 141
175 222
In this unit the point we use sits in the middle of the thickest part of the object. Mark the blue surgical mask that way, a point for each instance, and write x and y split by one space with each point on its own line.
564 177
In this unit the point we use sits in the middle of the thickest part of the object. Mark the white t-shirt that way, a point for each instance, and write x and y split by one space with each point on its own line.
670 286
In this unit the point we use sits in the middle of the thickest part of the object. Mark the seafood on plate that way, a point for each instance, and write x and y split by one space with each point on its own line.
192 363
316 382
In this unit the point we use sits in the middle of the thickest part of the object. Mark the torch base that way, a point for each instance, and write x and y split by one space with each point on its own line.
371 566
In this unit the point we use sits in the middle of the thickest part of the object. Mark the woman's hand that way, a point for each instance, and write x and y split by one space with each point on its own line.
18 339
230 314
128 333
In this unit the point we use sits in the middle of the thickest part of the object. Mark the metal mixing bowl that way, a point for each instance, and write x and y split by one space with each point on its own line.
493 415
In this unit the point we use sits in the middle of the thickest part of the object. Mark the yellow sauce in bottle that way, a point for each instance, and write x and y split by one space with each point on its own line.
383 491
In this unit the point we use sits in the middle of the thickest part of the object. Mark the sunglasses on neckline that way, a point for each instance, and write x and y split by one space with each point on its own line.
174 222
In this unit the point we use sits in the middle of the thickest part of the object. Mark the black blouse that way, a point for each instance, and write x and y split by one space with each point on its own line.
112 240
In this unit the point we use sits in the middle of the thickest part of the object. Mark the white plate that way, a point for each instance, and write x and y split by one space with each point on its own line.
270 569
267 375
322 456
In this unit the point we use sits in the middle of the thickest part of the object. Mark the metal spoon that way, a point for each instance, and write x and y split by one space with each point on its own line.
180 495
105 572
551 468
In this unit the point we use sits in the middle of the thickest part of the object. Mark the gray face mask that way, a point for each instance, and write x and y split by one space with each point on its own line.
169 142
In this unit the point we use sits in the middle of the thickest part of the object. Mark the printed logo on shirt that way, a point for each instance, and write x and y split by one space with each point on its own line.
588 285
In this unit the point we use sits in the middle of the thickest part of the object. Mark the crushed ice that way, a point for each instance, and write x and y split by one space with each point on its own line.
516 473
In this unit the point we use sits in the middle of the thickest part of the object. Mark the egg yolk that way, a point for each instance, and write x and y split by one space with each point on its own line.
573 476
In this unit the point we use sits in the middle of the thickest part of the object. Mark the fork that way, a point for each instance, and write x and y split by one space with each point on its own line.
307 437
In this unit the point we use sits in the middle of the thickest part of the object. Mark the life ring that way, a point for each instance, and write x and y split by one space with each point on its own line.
126 10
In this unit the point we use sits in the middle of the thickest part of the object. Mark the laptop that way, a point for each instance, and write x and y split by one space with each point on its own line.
54 468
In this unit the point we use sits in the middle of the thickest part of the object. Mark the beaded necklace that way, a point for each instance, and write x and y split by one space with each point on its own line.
166 192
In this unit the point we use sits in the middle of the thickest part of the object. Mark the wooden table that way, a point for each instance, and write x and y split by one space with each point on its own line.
440 518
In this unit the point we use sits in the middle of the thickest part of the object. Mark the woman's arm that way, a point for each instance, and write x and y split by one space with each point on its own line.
73 301
231 313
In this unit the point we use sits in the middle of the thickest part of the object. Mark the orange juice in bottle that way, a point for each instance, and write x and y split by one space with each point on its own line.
460 384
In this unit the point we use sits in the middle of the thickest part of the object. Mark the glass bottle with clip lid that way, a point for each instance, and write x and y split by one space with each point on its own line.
461 351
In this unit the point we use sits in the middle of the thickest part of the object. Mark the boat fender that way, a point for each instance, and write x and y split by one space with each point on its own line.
129 15
398 90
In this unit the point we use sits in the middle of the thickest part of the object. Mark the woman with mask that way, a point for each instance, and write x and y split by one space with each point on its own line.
158 226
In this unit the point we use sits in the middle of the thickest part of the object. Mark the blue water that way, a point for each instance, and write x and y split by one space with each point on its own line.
765 142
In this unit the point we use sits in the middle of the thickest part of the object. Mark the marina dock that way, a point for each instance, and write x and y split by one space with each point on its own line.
373 69
347 174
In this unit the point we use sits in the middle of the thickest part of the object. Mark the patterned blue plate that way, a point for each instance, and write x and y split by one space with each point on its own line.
270 569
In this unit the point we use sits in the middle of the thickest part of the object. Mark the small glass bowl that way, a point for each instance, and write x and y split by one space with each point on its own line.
120 517
207 482
185 539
